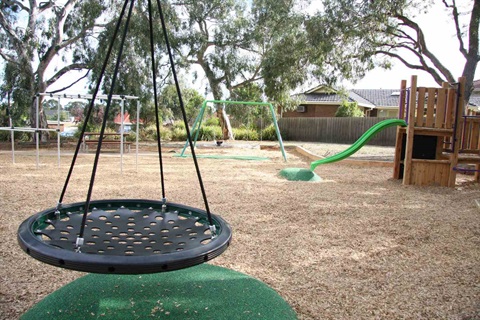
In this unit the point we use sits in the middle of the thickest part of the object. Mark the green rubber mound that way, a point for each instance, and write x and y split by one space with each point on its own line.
299 174
200 292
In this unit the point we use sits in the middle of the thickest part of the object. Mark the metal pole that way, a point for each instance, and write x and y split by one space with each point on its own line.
137 133
58 132
12 133
121 134
37 132
277 130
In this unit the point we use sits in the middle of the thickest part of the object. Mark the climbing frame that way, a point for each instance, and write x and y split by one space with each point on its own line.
438 137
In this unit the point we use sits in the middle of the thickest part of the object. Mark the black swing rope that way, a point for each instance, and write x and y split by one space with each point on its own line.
126 236
184 114
107 109
90 108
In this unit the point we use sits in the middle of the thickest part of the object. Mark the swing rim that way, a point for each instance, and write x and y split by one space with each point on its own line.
32 244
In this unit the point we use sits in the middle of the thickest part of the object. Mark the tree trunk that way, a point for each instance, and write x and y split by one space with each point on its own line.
221 114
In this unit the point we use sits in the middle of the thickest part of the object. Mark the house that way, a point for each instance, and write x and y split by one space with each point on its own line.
127 122
474 103
323 101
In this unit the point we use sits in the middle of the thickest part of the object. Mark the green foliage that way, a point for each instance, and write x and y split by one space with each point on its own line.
179 134
149 133
269 133
245 134
34 33
208 133
349 109
213 121
192 101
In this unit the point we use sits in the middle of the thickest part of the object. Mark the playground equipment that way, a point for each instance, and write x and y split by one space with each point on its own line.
360 142
70 96
36 131
198 123
126 236
300 174
439 135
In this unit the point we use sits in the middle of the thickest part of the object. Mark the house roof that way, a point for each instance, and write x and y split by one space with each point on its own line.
476 85
380 97
368 98
322 97
475 99
371 98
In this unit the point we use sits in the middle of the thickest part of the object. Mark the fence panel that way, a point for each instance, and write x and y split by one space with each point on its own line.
334 130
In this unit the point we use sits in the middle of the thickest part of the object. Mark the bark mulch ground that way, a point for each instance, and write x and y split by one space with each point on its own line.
356 245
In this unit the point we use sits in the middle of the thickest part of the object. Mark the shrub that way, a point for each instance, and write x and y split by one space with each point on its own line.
210 133
150 133
269 133
214 121
349 109
245 134
179 125
179 134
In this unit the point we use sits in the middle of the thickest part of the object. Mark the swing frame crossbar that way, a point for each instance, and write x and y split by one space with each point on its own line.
198 122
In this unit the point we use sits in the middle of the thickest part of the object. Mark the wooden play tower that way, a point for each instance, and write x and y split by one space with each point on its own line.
441 138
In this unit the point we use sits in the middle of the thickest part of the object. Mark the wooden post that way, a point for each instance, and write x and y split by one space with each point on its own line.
399 136
407 171
457 130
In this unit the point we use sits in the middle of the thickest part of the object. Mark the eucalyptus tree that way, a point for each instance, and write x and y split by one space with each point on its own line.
237 42
366 33
35 34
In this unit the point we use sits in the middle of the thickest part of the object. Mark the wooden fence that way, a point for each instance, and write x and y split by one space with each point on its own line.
334 130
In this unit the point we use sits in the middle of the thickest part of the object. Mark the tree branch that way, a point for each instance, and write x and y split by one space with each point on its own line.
428 69
9 31
17 3
45 6
70 85
455 15
64 70
9 58
422 48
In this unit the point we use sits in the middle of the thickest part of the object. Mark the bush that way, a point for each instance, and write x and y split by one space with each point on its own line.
349 109
269 133
150 133
179 134
17 136
245 134
214 121
209 133
179 125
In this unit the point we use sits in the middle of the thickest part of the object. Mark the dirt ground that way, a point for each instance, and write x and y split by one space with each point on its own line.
357 245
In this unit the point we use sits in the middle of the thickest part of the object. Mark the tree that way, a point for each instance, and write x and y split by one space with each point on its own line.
349 109
358 32
253 116
169 100
236 42
33 34
76 109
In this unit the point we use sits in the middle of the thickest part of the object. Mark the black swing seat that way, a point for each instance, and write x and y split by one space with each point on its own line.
130 236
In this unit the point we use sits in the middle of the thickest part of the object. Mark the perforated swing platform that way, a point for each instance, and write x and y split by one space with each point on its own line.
124 236
130 236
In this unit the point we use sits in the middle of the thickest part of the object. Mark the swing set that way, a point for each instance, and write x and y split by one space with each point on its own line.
198 123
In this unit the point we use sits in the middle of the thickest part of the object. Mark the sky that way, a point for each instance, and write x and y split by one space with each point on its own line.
440 37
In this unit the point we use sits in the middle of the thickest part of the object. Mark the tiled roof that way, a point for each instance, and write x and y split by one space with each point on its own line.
475 100
322 97
380 97
373 98
365 98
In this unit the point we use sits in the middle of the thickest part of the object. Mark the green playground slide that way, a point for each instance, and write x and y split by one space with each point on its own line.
360 142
